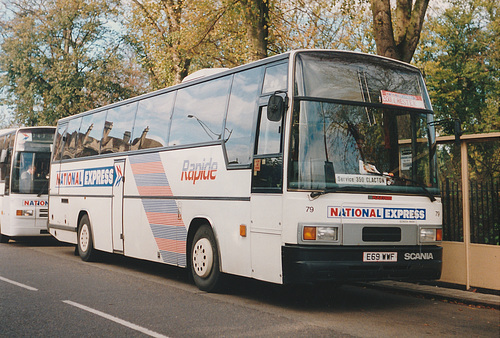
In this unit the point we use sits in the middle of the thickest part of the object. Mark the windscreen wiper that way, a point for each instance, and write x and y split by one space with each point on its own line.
316 194
404 179
42 189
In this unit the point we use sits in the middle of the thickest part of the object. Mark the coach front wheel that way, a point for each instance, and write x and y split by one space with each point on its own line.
4 238
205 260
85 245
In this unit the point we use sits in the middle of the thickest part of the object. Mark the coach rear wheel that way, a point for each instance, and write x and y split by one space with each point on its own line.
205 260
85 245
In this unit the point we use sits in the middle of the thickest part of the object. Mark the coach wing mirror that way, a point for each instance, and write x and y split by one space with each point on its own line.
275 108
3 156
449 124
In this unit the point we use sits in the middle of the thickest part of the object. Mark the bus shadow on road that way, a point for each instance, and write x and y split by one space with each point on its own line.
320 297
36 241
313 297
168 272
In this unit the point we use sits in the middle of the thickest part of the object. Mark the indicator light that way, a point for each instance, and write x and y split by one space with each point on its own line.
439 234
320 233
309 233
243 230
24 213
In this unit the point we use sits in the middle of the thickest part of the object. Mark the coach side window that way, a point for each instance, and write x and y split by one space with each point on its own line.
152 121
268 160
70 139
59 141
243 104
9 144
269 135
199 112
3 157
275 78
118 128
90 135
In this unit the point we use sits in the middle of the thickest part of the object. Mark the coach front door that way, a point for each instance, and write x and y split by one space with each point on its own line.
117 206
266 200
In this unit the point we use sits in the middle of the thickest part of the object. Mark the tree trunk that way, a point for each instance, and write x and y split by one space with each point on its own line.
256 21
399 39
180 63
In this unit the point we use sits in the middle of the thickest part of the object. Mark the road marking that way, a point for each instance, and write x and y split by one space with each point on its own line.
116 320
18 284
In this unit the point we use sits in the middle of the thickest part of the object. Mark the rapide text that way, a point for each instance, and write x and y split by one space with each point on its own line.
200 171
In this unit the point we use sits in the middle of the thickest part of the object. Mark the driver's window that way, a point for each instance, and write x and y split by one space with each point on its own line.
268 160
269 137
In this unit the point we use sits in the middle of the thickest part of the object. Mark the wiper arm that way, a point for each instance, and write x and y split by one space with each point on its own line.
404 179
315 194
421 185
42 189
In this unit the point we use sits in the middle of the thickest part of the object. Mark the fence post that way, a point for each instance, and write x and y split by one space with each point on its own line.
466 208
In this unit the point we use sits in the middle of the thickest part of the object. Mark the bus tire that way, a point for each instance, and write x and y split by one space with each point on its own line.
205 260
4 238
85 243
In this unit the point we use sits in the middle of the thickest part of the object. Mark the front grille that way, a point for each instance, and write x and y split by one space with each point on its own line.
43 213
381 234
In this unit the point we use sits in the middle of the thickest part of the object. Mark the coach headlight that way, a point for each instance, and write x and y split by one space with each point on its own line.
311 234
27 213
430 235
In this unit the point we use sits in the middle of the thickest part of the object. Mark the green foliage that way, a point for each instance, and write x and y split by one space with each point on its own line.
175 37
60 57
324 24
459 55
460 58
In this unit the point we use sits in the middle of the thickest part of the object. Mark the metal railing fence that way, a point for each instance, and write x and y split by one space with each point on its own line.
484 200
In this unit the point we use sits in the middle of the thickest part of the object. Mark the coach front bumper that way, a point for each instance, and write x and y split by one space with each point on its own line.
305 264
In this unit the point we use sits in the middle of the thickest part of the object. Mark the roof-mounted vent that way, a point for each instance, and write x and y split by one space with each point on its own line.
202 73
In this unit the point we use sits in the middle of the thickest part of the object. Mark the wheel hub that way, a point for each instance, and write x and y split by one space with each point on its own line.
202 258
84 238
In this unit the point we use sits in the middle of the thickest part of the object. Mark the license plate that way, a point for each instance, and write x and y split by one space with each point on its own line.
375 257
